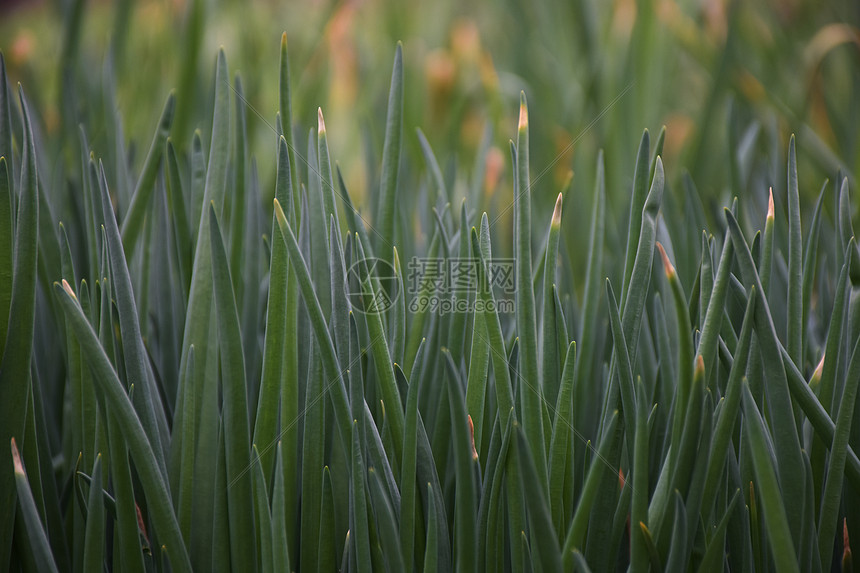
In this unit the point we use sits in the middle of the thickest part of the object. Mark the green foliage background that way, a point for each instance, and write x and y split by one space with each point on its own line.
675 390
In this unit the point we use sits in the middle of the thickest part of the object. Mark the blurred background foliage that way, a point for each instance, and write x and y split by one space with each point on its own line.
730 80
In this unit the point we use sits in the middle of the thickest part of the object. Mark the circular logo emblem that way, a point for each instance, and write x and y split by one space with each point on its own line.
371 285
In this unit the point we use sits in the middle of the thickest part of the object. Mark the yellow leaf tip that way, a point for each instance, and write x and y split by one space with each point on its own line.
816 374
524 114
320 121
16 458
556 212
770 204
700 366
68 289
279 213
667 264
472 434
524 118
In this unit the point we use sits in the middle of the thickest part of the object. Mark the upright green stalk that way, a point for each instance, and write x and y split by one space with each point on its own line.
276 325
529 376
832 494
198 324
641 181
390 159
15 365
285 107
237 433
794 337
550 360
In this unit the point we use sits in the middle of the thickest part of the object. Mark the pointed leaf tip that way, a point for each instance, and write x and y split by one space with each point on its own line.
699 370
320 121
556 213
816 374
524 112
69 290
770 204
279 212
472 434
19 467
667 265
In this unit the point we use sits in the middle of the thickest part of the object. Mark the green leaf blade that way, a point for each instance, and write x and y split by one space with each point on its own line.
15 365
391 157
237 433
778 533
529 375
